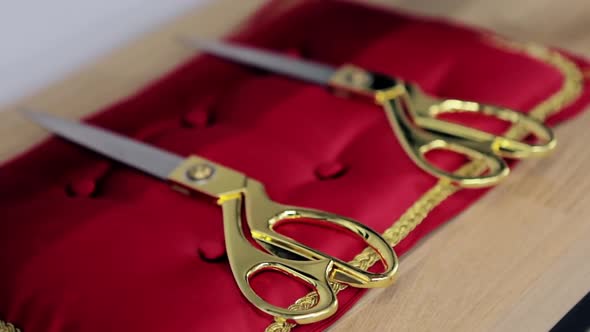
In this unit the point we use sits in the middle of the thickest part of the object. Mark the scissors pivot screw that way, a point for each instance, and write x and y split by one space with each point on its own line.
358 78
200 172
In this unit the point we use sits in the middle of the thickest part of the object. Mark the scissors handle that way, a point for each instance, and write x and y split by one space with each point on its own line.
247 261
427 108
263 215
417 142
312 267
412 115
234 192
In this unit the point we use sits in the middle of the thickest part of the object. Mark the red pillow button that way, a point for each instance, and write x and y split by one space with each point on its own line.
197 117
293 53
82 188
330 170
212 251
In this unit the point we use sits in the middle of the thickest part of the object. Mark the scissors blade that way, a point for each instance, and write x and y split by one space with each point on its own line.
313 72
154 161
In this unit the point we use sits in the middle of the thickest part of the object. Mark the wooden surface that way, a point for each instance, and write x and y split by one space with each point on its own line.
515 261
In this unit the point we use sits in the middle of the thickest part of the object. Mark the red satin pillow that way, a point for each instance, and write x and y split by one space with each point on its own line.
90 245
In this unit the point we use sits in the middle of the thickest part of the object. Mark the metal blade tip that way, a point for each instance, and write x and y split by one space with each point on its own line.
27 112
190 41
150 159
47 121
34 116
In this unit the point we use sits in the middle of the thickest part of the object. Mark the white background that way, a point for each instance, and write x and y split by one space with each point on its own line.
42 41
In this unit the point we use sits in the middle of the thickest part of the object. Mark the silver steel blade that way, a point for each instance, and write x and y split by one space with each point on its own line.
305 70
149 159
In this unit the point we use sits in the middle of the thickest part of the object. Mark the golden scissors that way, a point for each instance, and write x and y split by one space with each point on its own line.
411 113
235 191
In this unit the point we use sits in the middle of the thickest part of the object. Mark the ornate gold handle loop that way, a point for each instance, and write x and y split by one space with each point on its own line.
263 214
417 142
246 261
316 269
235 191
412 114
427 108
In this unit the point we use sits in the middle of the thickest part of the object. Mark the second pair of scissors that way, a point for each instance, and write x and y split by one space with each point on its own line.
411 113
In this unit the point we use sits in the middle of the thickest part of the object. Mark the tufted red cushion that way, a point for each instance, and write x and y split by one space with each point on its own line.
90 245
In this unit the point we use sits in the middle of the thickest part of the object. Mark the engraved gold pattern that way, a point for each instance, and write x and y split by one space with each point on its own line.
7 327
570 90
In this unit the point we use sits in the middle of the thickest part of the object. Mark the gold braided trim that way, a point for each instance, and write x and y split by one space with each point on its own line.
7 327
570 90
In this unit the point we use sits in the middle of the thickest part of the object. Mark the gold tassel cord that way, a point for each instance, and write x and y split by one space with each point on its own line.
7 327
570 90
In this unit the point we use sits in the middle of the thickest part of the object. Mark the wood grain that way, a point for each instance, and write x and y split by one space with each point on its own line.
515 261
